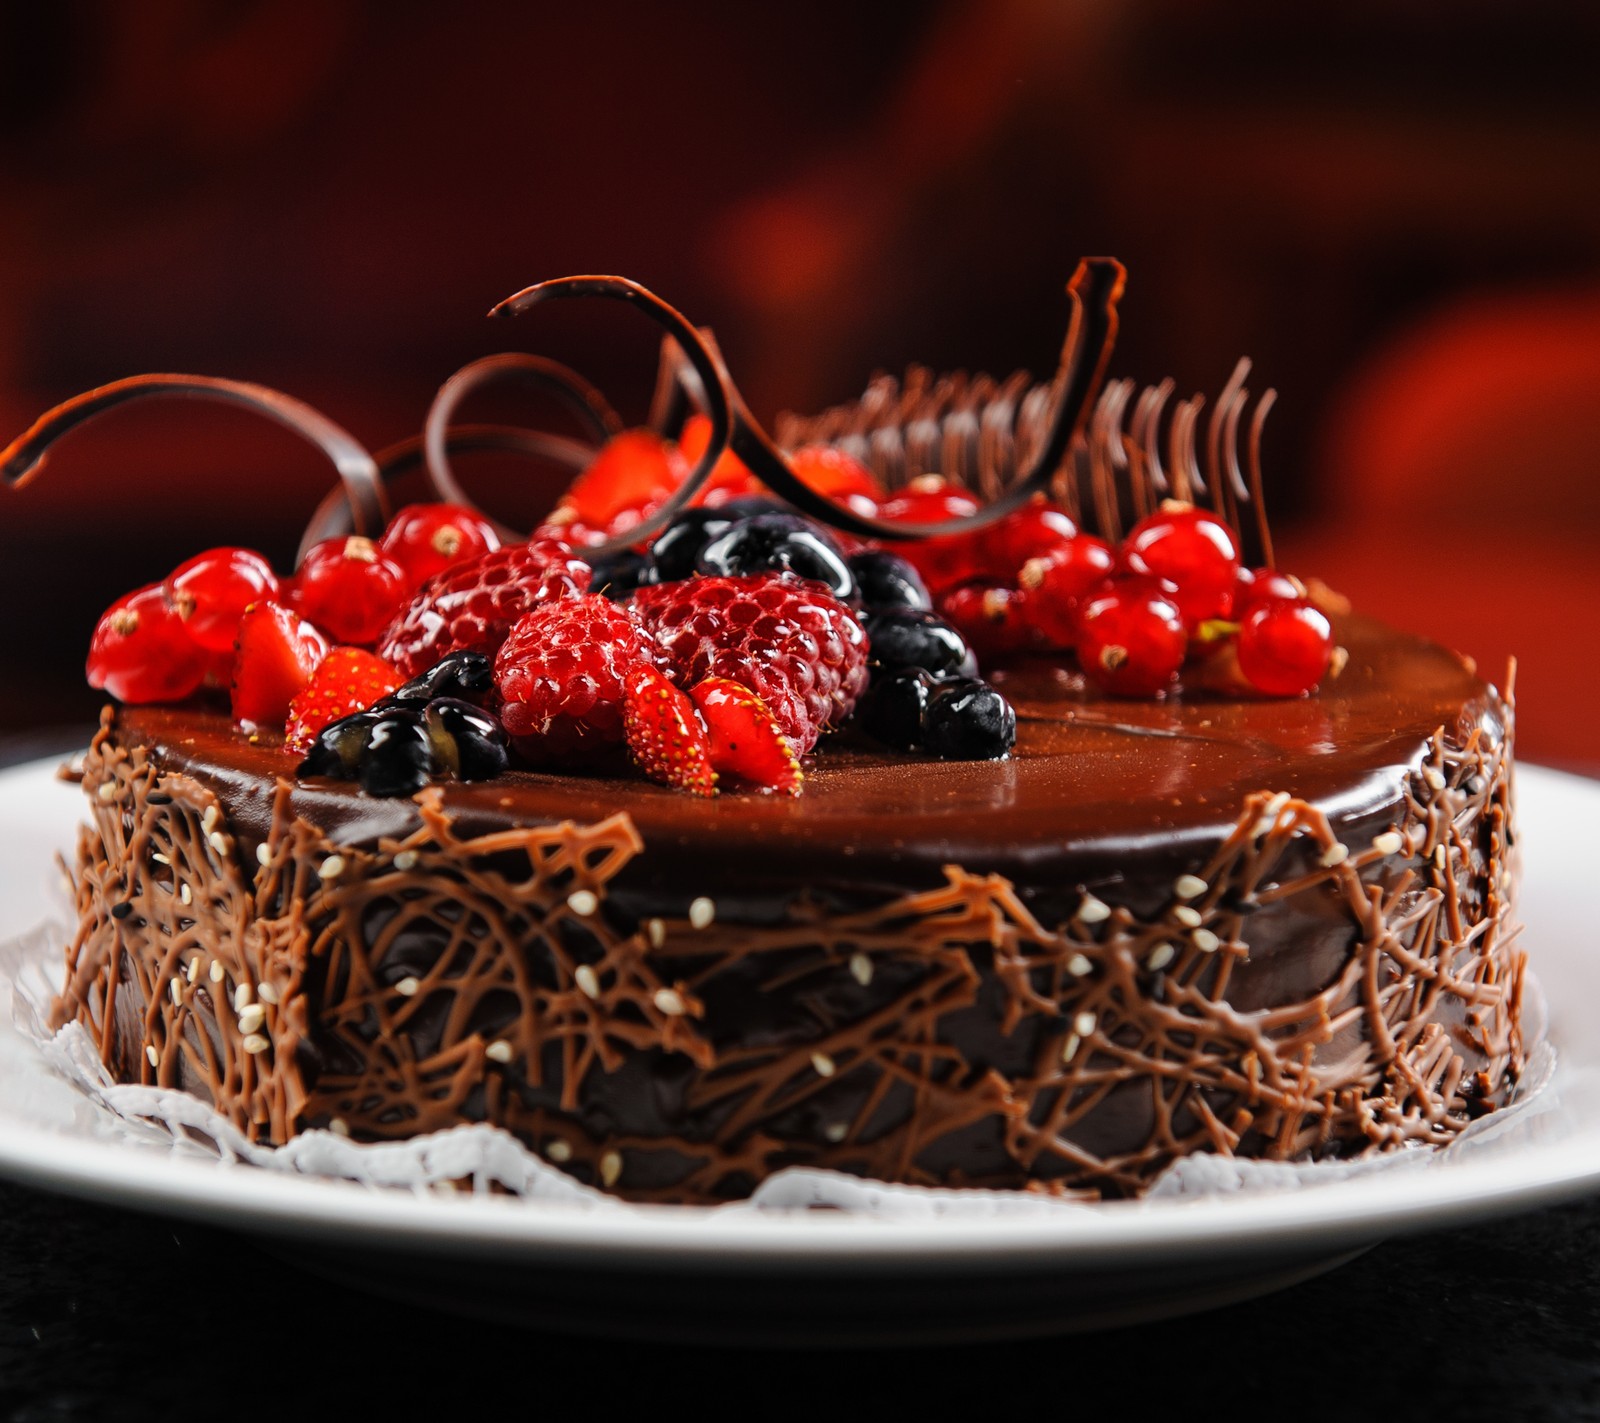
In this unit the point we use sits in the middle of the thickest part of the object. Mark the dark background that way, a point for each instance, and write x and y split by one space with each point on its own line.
1393 209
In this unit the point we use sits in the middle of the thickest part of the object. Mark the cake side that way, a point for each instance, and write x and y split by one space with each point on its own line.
1301 977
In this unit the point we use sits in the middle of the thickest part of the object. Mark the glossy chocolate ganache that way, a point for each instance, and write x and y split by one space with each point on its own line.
1256 927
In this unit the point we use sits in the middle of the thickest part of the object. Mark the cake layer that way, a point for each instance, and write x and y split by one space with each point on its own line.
1264 927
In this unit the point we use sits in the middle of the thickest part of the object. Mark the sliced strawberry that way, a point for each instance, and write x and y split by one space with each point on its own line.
665 735
278 651
348 679
631 470
745 740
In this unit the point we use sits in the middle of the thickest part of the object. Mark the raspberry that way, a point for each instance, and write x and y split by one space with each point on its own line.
471 607
562 673
791 643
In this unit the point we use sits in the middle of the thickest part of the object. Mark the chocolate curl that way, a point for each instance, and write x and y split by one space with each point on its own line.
578 396
706 366
332 517
362 490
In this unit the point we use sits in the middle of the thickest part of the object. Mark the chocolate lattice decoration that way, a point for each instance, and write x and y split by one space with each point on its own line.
436 979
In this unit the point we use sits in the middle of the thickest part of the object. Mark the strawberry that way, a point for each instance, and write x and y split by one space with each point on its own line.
665 734
745 740
632 470
277 652
730 477
348 679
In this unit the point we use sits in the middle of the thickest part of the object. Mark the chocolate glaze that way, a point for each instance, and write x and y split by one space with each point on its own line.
1264 927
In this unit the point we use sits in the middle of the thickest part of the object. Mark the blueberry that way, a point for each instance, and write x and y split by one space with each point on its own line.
678 546
466 740
904 637
968 721
337 750
398 759
893 707
773 543
885 580
460 674
619 575
748 506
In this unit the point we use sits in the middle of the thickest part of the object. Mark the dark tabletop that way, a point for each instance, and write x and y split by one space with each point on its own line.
110 1315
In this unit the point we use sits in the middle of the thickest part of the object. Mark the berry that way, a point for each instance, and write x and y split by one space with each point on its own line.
467 741
1256 585
835 475
632 471
619 575
349 589
893 707
398 757
777 543
1036 530
885 580
212 590
665 735
425 539
1194 551
968 720
1285 646
1058 583
994 619
791 643
470 608
942 562
336 750
141 650
467 676
561 675
347 680
745 740
1131 639
730 477
677 548
902 637
278 652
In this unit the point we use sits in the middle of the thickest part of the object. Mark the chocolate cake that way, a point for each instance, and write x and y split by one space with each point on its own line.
1206 920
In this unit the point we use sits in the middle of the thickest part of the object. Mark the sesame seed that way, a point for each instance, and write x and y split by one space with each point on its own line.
1092 910
331 868
1069 1049
266 993
405 860
701 912
1160 956
217 843
861 969
1083 1024
1205 941
499 1051
255 1043
1433 777
185 893
241 996
1388 843
1189 886
583 902
159 858
588 981
836 1131
656 931
1440 856
670 1002
1335 854
107 791
1188 917
611 1167
408 986
208 820
339 1126
193 971
218 973
559 1150
824 1064
175 987
252 1018
1079 964
263 854
152 1055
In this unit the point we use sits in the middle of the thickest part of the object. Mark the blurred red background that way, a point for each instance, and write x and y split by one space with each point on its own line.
1391 209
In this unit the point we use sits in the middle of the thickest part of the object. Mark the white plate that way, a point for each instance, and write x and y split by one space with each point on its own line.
689 1273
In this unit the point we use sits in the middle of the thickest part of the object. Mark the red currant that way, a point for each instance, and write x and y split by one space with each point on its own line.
1194 551
1059 582
1285 645
211 591
1036 530
350 590
142 652
425 539
631 470
1131 639
942 562
1256 585
993 619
